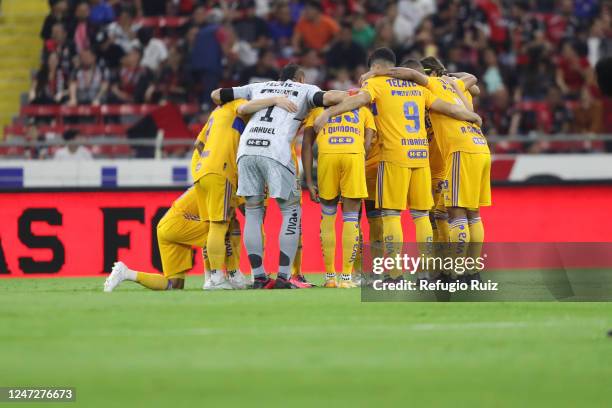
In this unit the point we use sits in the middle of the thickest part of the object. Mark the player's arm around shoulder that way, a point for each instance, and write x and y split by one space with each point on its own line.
349 103
256 105
458 112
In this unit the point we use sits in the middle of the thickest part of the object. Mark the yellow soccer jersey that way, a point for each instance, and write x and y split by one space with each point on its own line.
454 135
344 133
399 112
375 154
436 161
220 136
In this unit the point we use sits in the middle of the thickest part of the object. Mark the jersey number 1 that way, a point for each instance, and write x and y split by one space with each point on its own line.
268 116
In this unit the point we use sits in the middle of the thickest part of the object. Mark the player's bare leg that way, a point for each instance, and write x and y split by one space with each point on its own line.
329 209
350 239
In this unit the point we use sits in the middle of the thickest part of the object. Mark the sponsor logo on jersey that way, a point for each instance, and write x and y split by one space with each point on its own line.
258 142
479 141
417 154
335 140
198 166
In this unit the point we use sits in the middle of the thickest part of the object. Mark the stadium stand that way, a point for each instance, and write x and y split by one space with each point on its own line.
106 64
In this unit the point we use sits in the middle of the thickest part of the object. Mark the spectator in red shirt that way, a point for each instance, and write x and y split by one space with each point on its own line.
314 30
572 71
132 83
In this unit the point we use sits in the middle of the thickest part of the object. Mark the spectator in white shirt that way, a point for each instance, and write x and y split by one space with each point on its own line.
123 31
154 52
72 150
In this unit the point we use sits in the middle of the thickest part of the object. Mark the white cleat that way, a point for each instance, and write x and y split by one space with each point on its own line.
117 275
217 281
238 281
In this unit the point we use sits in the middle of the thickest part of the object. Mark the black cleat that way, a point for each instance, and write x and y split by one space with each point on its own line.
263 283
282 283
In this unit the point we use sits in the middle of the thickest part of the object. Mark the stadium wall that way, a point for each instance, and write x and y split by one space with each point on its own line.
81 233
175 172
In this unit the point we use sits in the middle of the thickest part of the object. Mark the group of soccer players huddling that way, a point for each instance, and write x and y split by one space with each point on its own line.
408 139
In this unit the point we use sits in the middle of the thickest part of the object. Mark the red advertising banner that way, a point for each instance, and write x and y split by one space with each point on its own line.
83 233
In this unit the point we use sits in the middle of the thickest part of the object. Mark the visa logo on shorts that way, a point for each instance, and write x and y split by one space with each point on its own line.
417 154
335 140
258 142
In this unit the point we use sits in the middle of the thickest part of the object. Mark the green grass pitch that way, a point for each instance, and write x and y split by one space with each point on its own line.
137 348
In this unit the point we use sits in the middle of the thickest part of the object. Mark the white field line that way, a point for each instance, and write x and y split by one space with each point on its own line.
421 327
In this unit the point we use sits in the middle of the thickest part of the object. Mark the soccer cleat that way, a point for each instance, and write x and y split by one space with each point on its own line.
282 283
358 278
347 284
263 283
237 280
300 282
218 281
330 283
117 275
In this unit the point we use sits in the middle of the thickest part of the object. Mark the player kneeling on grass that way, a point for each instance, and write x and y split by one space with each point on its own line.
342 143
179 230
206 206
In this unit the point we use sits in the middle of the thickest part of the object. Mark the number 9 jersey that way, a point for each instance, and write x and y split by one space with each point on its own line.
400 119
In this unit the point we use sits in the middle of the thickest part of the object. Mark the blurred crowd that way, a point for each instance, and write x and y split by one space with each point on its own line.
534 58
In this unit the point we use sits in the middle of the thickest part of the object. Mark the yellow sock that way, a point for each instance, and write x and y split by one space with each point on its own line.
393 237
153 281
459 238
476 237
328 239
422 225
206 260
350 241
216 244
232 259
442 227
296 268
376 233
434 228
357 265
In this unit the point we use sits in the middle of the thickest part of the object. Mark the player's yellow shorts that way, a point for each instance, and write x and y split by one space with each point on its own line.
468 177
371 174
399 188
438 186
177 233
216 197
341 174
